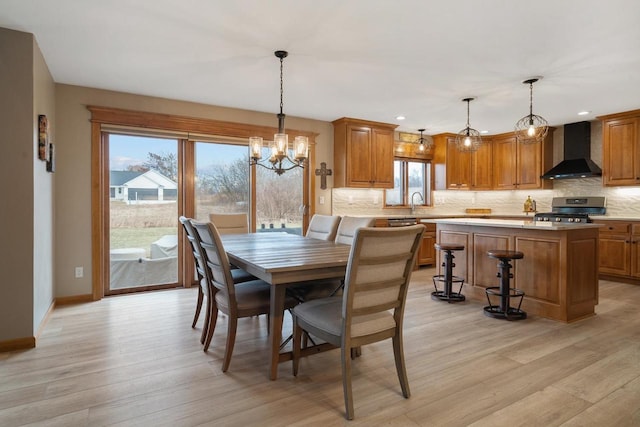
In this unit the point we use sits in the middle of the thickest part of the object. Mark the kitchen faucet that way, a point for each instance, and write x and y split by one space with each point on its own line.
413 204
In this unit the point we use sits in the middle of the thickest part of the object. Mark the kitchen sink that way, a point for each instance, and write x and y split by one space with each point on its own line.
402 222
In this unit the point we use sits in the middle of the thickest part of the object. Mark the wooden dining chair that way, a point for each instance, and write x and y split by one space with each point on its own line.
371 308
348 226
246 299
230 223
323 227
202 272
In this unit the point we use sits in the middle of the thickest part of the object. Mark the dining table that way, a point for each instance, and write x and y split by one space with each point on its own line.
283 259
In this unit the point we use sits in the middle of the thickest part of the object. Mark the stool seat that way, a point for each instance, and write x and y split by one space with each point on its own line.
448 247
504 254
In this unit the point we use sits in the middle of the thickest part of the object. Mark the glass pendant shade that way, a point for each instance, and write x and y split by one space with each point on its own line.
424 143
468 139
531 128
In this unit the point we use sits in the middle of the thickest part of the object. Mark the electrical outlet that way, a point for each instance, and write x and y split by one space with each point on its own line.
350 200
79 272
321 201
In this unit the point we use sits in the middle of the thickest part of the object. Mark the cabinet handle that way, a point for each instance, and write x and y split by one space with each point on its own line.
610 228
626 241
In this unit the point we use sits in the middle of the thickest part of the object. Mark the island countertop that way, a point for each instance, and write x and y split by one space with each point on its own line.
512 223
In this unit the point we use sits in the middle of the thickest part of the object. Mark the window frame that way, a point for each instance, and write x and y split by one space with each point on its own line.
404 170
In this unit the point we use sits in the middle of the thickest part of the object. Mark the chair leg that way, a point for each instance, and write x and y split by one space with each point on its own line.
398 355
198 307
231 340
207 320
297 335
346 381
213 318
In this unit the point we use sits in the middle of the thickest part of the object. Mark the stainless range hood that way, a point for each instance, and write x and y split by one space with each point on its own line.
577 161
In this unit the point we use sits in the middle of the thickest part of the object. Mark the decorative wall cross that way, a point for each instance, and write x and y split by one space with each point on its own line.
322 173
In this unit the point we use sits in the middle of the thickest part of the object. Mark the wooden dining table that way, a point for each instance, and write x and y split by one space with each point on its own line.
284 259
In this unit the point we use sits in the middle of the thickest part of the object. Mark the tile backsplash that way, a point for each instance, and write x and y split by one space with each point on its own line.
620 201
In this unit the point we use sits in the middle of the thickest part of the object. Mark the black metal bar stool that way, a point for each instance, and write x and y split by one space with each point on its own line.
447 280
503 309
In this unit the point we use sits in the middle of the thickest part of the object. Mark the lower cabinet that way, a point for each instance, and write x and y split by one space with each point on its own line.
427 253
619 249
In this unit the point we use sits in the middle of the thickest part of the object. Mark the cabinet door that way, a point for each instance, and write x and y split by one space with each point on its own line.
615 254
359 159
458 167
427 253
529 165
481 168
621 152
504 163
382 158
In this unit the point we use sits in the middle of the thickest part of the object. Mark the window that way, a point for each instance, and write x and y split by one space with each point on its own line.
409 177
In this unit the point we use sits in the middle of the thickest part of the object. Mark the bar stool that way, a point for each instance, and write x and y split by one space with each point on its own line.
504 310
447 279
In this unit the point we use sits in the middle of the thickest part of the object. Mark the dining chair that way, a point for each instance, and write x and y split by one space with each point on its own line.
348 226
246 299
230 223
323 227
202 273
378 272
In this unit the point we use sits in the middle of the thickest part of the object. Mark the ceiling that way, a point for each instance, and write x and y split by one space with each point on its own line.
368 59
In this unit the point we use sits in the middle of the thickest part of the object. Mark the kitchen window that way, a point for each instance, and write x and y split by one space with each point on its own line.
409 178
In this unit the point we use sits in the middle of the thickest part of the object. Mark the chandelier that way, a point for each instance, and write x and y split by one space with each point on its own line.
531 128
283 157
425 144
468 139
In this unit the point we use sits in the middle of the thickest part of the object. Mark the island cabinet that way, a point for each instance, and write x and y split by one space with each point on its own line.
558 273
426 251
520 166
462 170
620 250
621 149
363 153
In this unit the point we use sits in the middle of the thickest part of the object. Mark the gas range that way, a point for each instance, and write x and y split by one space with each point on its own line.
573 209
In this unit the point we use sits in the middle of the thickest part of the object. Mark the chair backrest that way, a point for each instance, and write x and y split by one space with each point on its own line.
191 237
349 225
378 273
217 262
323 227
230 223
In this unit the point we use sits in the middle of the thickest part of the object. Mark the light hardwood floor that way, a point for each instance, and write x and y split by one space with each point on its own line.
134 360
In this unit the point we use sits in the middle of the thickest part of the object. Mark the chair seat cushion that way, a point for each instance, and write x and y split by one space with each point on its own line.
326 314
308 291
252 295
239 276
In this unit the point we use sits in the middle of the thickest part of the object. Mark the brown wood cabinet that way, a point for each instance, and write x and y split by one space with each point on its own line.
621 149
427 252
620 250
519 166
463 170
363 153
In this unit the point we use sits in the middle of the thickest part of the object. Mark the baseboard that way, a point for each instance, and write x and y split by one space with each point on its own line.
74 299
17 344
45 319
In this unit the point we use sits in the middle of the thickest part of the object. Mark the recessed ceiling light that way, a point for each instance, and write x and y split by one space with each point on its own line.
484 131
583 113
400 117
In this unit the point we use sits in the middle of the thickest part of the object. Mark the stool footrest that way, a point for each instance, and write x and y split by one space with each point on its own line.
443 295
498 311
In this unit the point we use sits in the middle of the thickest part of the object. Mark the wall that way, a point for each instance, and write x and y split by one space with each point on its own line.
73 174
621 201
16 173
43 218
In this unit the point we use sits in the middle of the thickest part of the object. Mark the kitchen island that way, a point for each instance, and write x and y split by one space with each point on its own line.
559 271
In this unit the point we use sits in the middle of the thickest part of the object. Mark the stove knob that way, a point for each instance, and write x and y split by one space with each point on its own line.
558 219
546 218
578 219
570 219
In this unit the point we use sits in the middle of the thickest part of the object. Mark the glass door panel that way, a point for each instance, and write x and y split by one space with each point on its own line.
279 203
143 213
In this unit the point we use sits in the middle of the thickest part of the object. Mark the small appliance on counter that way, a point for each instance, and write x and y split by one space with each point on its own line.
573 209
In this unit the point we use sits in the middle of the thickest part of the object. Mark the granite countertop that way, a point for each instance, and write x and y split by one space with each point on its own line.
511 223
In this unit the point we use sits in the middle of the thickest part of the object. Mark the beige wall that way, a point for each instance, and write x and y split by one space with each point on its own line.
73 174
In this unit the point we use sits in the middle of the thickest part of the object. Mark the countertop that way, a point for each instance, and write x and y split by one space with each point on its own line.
511 223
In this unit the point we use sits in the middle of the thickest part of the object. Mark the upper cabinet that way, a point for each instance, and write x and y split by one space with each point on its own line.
621 148
519 166
363 153
461 170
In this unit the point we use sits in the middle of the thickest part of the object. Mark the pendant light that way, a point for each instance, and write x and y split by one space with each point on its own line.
468 139
283 157
531 128
425 144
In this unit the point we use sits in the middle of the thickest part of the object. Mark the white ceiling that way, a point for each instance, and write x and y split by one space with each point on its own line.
368 59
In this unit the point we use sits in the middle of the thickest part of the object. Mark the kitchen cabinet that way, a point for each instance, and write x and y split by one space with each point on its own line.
621 149
427 252
620 250
519 166
464 170
363 153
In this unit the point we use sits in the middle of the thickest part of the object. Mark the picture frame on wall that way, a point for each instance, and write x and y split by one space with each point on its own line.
51 163
43 138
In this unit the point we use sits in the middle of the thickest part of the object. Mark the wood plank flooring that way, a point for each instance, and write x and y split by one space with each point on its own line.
134 360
